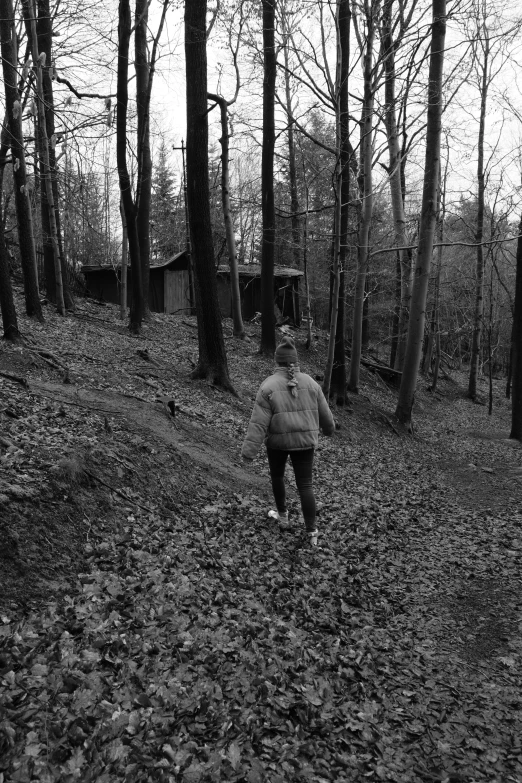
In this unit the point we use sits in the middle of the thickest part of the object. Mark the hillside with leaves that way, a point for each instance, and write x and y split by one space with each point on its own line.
156 626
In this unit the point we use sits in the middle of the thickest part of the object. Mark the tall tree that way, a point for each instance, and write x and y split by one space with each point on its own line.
483 65
167 218
338 384
516 355
7 305
224 105
127 200
212 363
144 74
267 180
137 208
389 48
41 29
371 9
40 61
292 170
14 121
428 217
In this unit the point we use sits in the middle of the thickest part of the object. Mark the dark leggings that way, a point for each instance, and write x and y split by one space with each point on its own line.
302 463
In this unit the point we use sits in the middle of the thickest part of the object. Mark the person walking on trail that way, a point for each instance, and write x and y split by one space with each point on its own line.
289 411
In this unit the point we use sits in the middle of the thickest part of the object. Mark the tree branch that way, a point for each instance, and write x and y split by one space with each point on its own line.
80 95
447 244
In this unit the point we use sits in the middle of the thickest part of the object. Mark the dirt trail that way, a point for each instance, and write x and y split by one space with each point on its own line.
215 454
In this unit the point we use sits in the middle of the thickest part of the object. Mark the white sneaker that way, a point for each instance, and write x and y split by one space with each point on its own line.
281 518
312 536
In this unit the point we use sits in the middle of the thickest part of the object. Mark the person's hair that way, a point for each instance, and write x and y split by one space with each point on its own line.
292 380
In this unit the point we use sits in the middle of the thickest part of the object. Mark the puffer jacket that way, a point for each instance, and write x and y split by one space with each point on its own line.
286 422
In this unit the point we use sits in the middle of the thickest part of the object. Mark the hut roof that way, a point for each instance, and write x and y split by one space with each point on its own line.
254 270
106 267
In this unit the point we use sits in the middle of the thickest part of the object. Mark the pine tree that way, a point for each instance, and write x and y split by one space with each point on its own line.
167 219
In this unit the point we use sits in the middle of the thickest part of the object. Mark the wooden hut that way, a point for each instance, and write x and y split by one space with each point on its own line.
286 291
169 288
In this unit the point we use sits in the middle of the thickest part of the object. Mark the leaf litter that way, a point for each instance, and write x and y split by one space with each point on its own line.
189 639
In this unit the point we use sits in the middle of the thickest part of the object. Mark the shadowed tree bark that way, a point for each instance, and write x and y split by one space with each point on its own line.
395 173
338 383
143 195
212 362
366 192
14 122
516 349
292 169
136 209
7 305
46 144
428 218
44 28
237 318
267 181
122 98
478 318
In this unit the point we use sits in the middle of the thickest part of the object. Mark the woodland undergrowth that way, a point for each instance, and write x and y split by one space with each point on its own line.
156 626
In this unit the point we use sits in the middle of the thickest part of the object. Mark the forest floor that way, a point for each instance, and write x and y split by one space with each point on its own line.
156 626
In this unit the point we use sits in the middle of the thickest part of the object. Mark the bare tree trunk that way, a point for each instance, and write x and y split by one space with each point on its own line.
516 355
478 320
428 217
510 364
7 305
442 225
14 121
237 318
45 36
144 176
292 174
490 339
339 382
366 188
267 181
40 60
124 32
124 259
212 362
306 278
305 259
396 313
395 175
430 342
335 287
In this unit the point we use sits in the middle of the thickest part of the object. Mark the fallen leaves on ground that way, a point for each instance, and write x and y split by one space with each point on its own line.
202 643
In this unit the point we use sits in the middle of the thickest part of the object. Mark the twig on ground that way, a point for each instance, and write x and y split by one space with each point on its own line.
118 492
6 443
14 378
124 462
49 358
68 402
143 353
152 385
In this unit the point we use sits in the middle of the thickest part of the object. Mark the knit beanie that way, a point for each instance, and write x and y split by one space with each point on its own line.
286 352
